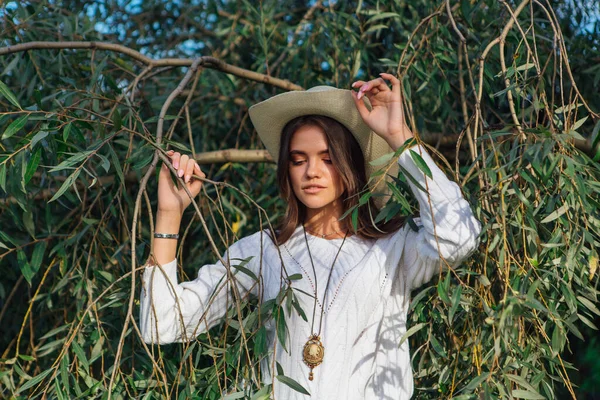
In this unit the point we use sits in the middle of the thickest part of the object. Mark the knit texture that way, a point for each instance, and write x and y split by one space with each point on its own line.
365 310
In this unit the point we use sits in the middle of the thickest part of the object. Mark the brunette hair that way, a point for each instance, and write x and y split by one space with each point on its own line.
348 160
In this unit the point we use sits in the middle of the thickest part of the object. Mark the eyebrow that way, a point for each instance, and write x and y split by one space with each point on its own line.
293 152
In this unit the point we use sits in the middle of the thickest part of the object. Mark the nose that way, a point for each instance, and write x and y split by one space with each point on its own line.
312 169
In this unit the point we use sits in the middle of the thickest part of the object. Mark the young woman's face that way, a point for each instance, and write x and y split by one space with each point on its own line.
314 180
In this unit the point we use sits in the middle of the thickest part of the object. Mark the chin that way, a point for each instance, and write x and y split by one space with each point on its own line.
316 203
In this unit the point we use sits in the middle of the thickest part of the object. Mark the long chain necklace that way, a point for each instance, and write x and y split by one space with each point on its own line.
323 235
314 351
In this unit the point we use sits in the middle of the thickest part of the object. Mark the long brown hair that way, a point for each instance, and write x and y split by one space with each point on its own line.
348 160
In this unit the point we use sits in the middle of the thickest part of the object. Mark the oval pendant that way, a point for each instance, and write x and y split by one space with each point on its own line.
313 353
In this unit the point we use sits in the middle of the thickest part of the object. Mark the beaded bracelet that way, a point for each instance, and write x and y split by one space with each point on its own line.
166 235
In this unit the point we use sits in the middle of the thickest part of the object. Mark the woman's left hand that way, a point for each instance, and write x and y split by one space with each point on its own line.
386 117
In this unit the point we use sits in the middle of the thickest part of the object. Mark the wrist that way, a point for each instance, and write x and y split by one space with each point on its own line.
167 221
398 140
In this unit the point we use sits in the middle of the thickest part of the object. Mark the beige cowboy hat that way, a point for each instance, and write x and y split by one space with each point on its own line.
270 117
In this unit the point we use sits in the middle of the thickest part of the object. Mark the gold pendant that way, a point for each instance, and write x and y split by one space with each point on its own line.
313 353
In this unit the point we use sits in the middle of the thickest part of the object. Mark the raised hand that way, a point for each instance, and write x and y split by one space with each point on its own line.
386 117
172 198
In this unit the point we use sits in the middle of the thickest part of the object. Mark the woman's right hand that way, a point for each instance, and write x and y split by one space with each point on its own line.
173 198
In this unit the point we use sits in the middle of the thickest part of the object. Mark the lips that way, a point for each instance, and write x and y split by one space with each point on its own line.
312 189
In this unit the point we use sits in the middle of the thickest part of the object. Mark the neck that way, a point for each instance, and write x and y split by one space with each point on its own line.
326 221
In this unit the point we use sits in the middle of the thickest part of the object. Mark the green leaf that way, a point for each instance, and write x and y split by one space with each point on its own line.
456 296
555 214
35 380
260 341
81 355
521 382
3 176
443 286
5 91
233 396
26 357
36 139
281 326
66 184
295 277
414 329
67 131
38 255
24 266
525 394
156 118
32 165
421 163
383 160
293 384
116 163
476 382
28 222
589 305
437 346
263 394
116 120
16 126
578 124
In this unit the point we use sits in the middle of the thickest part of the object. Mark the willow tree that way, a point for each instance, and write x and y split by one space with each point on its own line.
91 94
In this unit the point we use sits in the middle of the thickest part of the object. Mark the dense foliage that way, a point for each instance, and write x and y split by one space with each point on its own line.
506 92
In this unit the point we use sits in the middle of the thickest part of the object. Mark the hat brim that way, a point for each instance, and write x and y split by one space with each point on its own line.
270 117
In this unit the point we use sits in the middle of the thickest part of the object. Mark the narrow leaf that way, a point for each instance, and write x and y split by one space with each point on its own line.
3 176
24 266
293 384
81 355
525 394
38 255
35 380
32 165
421 163
16 126
414 329
476 382
383 160
66 184
5 91
36 139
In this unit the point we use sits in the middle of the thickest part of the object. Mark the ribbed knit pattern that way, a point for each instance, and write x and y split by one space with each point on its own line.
365 307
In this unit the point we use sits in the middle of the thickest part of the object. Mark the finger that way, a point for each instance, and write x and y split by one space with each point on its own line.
199 172
189 170
360 105
358 84
175 158
164 176
182 165
378 83
393 80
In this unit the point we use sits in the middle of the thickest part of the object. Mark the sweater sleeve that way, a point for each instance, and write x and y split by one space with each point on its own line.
448 230
178 312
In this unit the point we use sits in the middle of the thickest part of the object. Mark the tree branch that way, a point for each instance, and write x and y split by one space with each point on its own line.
207 62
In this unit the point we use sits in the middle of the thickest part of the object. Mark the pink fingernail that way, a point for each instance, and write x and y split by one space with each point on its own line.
180 173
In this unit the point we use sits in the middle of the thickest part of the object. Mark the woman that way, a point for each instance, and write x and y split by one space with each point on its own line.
355 285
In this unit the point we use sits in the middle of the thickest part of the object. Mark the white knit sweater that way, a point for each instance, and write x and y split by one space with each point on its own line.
367 298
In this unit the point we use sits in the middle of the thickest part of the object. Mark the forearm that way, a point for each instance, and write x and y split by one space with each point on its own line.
165 249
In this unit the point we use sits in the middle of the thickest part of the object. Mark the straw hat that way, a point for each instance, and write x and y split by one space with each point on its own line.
270 117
